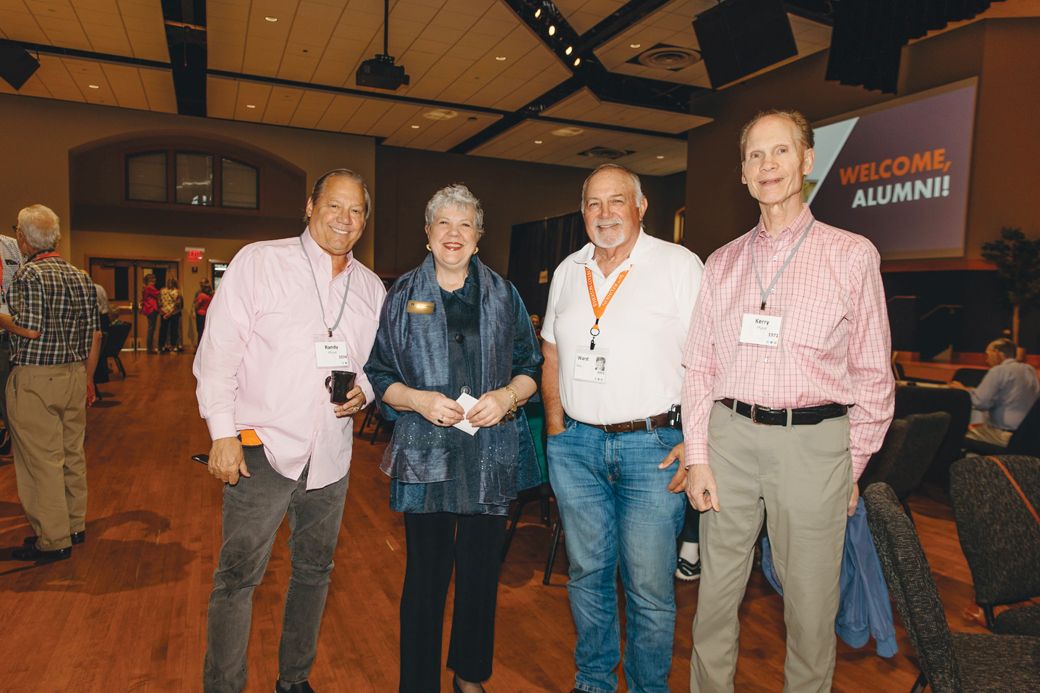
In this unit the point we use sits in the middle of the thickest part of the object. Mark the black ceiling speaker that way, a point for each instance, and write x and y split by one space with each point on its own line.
869 36
17 65
738 37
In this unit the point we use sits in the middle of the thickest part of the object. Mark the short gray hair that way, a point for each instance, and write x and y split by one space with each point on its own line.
636 185
455 195
319 188
1004 346
40 227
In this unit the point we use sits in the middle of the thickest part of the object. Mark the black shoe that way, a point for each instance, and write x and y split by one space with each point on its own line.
686 571
77 538
301 687
31 553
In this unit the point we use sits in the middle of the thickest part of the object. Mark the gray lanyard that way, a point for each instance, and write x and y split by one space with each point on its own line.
318 291
776 277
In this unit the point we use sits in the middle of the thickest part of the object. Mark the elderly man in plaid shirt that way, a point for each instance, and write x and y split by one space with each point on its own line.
55 340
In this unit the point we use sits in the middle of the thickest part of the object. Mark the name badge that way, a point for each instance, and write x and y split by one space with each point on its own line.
420 307
330 354
591 366
760 329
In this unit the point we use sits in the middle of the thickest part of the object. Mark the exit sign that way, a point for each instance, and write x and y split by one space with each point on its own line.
195 254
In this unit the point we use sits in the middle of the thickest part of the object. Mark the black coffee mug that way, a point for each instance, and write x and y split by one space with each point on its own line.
339 384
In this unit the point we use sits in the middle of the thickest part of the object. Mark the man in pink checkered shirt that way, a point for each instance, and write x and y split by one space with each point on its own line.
787 393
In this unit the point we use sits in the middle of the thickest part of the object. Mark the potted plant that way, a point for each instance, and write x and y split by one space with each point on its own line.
1017 260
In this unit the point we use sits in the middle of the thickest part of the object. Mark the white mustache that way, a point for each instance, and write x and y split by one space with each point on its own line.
602 223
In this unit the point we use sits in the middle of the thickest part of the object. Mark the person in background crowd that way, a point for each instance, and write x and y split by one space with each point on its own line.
102 304
455 357
1007 393
54 348
10 261
788 391
290 314
688 566
201 304
171 306
150 308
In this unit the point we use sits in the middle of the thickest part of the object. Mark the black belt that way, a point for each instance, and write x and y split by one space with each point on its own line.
647 424
804 416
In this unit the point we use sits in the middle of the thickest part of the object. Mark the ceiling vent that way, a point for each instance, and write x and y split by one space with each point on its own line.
666 57
605 153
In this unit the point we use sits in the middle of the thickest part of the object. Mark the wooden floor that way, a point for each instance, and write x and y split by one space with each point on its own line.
128 611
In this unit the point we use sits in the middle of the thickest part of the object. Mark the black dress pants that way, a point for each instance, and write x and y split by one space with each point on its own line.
437 542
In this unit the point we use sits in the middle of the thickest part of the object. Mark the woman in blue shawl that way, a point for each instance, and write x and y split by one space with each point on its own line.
455 356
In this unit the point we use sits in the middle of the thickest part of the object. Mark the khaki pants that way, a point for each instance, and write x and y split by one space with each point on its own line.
47 406
800 479
985 433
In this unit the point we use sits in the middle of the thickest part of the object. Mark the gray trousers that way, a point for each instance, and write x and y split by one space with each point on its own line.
253 510
800 479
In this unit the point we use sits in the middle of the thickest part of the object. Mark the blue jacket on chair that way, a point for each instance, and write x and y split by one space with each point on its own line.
864 609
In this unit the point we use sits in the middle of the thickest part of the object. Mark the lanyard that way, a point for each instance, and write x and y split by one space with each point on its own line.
776 277
599 309
43 255
318 291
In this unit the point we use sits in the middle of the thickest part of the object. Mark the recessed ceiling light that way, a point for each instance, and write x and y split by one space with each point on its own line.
537 141
500 58
552 29
250 105
93 86
271 19
440 114
635 45
660 156
538 13
415 127
577 61
569 131
568 50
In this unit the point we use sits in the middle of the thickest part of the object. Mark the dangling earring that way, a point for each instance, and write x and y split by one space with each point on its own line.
476 249
428 247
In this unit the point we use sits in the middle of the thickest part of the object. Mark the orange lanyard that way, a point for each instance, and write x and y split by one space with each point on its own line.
598 309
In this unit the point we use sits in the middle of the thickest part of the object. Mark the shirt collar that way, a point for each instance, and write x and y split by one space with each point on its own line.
320 260
787 233
584 256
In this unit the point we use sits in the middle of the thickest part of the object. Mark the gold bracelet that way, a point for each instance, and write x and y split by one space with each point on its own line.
513 396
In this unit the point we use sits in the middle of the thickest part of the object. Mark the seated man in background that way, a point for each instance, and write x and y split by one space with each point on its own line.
1006 393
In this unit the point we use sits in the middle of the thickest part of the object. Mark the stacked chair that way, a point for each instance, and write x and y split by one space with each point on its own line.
909 450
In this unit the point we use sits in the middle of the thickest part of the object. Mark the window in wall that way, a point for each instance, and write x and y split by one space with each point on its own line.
238 185
146 177
194 179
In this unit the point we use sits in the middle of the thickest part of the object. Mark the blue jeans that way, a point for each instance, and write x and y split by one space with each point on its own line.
617 512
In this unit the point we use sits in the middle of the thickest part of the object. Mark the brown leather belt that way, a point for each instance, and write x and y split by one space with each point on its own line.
805 416
648 424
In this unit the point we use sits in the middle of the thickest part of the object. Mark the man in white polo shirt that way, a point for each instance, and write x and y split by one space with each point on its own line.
614 330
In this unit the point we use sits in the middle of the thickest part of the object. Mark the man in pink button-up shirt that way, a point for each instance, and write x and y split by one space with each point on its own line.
287 314
787 393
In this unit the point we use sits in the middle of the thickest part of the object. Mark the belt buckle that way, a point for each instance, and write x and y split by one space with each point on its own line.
754 413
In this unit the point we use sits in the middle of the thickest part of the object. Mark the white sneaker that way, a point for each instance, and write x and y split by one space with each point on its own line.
686 571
